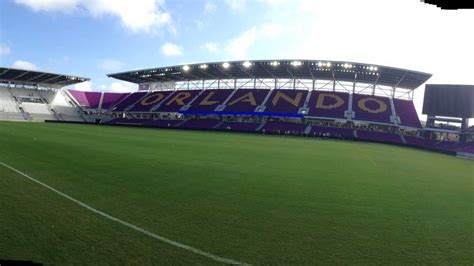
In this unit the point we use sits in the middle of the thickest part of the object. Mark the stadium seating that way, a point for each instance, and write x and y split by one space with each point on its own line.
147 103
328 104
285 101
406 111
371 108
210 99
162 123
86 99
246 100
378 136
128 101
284 128
239 126
200 123
331 132
110 98
178 100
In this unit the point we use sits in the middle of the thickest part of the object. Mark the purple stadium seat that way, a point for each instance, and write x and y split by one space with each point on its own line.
239 126
129 101
246 100
178 100
283 128
371 108
149 101
162 123
336 132
126 121
378 136
210 99
405 109
86 99
200 123
111 98
328 104
286 101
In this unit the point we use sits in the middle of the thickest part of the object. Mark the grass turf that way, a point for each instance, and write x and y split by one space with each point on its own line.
252 198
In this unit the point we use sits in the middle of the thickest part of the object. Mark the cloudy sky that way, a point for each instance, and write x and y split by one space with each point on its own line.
92 38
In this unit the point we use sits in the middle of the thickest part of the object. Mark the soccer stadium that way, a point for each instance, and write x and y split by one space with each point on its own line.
239 162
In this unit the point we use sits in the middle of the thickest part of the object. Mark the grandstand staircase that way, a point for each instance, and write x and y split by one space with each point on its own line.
262 106
260 126
187 106
403 138
222 106
218 124
158 105
50 108
137 101
73 102
27 116
181 123
307 130
117 103
305 109
349 114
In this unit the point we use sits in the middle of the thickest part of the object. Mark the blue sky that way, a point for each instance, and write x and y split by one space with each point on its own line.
92 38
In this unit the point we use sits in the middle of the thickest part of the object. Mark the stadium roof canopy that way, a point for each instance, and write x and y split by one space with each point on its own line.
281 69
36 77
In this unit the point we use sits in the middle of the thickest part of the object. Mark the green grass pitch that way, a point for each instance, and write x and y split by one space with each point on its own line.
251 198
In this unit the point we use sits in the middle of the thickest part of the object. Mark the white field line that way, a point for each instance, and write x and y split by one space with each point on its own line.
129 225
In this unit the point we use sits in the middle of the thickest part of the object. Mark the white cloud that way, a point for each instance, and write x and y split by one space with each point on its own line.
83 86
237 5
111 64
143 16
21 64
423 38
4 49
210 7
211 47
121 86
238 47
171 49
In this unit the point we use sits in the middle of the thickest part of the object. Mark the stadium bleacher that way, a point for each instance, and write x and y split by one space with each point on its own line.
328 104
210 99
405 110
371 108
285 101
246 100
111 98
278 108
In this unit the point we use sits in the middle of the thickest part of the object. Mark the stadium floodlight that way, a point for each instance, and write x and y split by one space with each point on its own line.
275 63
328 64
320 64
247 64
225 65
296 63
347 65
375 68
186 68
203 66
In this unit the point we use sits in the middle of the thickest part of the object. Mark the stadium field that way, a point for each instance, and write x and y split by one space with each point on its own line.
251 198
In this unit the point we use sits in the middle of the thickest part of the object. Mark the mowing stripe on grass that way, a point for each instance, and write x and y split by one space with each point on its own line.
134 227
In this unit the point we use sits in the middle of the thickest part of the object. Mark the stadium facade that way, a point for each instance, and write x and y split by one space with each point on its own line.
311 98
